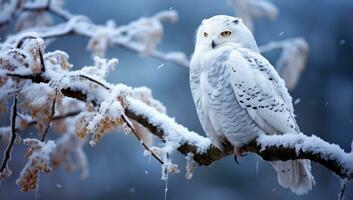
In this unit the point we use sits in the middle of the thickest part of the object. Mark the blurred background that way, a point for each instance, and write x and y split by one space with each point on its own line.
118 169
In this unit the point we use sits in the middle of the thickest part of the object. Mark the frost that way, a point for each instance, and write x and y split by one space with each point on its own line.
292 60
58 61
190 166
250 9
108 115
99 70
38 161
101 40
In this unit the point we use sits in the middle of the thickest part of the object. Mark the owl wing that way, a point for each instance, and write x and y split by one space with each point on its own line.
196 92
259 89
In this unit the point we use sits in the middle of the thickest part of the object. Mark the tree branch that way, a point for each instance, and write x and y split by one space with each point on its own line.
269 147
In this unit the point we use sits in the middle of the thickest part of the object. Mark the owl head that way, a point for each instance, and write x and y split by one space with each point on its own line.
221 30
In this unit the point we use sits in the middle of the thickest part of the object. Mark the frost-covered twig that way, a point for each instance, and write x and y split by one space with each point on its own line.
127 37
7 153
250 9
291 63
141 35
140 139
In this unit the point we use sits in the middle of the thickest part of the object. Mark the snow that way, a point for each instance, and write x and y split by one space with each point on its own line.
175 134
38 156
314 144
37 93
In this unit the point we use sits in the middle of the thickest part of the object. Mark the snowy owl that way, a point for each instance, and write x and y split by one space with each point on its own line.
239 95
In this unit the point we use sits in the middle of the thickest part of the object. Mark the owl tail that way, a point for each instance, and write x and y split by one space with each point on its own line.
294 174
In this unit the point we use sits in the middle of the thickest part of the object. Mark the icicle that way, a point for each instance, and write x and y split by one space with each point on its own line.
36 193
166 189
257 165
190 165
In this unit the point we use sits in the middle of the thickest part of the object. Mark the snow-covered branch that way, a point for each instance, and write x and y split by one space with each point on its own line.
271 148
177 137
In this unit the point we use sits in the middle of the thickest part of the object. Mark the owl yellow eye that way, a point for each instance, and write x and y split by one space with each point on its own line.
226 33
205 34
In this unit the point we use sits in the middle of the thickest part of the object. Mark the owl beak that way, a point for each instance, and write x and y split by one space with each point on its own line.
213 44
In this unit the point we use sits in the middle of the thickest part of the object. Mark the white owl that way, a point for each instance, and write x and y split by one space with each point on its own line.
239 95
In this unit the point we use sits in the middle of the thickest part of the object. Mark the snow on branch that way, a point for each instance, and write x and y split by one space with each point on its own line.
139 106
271 148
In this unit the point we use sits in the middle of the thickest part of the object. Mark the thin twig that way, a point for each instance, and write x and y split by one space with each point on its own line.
23 39
139 139
41 58
7 153
95 81
35 78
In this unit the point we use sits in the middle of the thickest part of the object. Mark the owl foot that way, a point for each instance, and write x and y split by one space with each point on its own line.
238 152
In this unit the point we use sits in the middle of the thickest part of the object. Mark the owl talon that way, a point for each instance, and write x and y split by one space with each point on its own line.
243 154
238 152
236 159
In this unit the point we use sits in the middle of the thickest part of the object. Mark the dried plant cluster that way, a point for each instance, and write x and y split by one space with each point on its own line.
80 107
